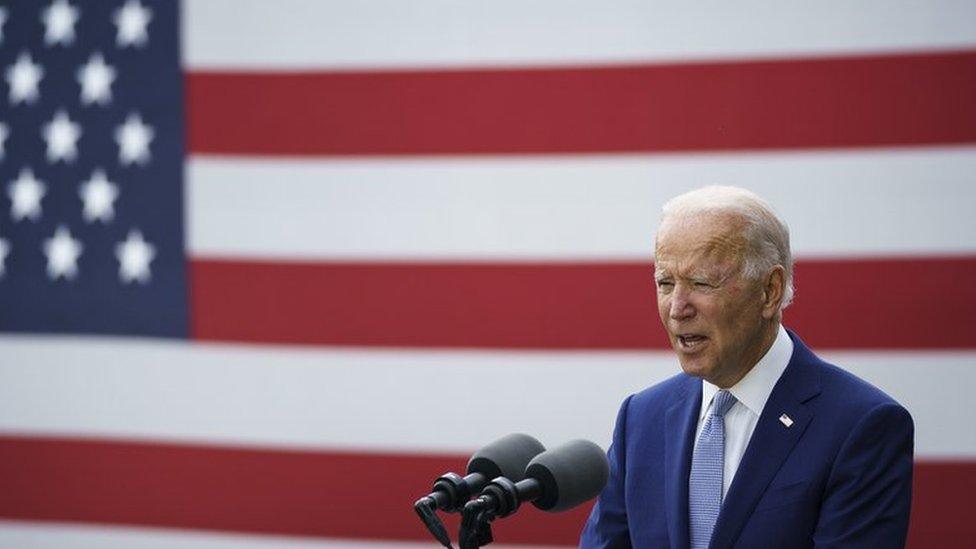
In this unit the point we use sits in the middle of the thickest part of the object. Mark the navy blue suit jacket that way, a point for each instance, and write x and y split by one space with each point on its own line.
839 476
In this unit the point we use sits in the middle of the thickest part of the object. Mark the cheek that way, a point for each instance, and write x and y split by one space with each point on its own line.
663 306
737 319
723 322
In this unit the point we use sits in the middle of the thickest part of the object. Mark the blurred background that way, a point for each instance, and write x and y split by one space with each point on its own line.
267 269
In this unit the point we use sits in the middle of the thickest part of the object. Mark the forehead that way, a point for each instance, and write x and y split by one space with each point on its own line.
699 241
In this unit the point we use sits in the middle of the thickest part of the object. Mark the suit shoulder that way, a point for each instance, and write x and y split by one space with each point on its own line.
842 391
661 396
850 392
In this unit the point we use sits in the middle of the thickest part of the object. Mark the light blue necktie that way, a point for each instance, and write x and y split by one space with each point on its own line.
707 467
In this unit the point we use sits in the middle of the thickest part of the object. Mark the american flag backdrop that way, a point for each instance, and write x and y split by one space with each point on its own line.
269 268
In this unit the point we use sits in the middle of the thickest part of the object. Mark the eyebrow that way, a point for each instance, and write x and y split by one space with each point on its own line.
717 276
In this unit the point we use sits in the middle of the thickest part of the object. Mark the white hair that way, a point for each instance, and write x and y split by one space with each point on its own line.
766 234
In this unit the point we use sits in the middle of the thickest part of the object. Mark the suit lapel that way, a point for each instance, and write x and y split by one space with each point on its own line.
770 444
679 423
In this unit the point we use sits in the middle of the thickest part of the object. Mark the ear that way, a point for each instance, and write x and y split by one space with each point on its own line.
774 285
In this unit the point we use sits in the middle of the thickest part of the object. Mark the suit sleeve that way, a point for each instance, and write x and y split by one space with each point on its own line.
868 495
607 525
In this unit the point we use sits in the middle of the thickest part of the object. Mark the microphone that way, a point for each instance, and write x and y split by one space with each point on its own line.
555 480
506 457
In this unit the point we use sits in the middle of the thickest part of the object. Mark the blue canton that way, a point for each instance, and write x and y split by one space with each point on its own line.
91 168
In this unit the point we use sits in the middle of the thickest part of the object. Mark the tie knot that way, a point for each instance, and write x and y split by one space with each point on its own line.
721 403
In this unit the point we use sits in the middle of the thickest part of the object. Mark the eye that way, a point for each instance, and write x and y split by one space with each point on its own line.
664 284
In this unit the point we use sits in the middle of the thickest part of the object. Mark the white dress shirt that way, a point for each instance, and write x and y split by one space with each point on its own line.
751 394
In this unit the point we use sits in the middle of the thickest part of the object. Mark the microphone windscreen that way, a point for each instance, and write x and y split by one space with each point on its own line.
569 474
506 457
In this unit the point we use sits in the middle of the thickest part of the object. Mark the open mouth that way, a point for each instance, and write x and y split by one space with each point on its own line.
691 342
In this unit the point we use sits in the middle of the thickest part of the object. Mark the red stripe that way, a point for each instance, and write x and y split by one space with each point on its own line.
826 102
321 494
942 505
843 304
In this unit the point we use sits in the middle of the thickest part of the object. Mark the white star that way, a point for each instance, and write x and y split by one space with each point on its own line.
62 254
3 19
23 78
132 19
4 250
4 132
62 136
96 80
25 195
134 255
59 23
99 195
133 138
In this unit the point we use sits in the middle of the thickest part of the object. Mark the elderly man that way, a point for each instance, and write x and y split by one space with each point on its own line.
759 443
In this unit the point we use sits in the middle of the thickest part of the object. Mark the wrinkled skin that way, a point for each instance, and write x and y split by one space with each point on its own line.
720 322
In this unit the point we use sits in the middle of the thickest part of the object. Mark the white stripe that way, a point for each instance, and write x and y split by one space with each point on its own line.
837 203
22 535
388 400
392 33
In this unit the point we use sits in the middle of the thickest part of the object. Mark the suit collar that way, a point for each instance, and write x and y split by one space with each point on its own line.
771 442
680 422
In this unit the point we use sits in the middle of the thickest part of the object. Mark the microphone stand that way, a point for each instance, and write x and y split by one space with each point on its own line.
427 511
475 526
500 498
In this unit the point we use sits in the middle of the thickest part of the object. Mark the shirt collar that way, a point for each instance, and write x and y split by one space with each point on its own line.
754 389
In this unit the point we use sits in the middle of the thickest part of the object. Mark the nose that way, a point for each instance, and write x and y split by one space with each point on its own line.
681 307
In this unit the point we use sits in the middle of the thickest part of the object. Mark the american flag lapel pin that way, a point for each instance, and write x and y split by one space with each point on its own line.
785 420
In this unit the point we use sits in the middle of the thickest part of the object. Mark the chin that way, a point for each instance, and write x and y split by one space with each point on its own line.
695 367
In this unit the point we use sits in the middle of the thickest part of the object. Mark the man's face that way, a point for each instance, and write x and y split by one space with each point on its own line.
712 314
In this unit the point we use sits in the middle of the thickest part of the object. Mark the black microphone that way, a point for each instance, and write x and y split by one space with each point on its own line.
506 457
555 480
